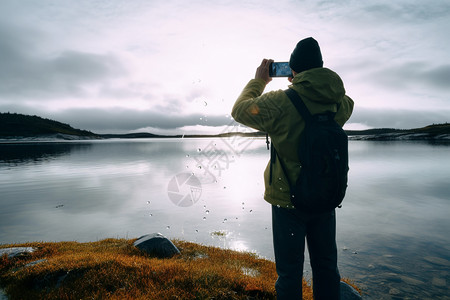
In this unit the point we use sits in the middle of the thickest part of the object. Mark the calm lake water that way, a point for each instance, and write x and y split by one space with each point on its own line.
393 230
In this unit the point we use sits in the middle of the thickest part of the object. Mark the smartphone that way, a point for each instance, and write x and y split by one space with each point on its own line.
280 69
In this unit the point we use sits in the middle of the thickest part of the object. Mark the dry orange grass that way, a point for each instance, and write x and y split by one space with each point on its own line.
115 269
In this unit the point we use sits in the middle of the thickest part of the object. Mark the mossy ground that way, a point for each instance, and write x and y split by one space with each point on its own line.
115 269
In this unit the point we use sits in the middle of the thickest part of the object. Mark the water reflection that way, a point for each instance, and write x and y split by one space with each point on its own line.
392 229
23 153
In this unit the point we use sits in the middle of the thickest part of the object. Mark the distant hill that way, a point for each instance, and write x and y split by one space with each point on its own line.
18 125
14 125
431 132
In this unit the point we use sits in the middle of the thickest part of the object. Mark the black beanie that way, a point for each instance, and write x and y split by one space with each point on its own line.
306 55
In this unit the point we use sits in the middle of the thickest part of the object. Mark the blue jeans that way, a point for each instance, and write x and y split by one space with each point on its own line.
290 227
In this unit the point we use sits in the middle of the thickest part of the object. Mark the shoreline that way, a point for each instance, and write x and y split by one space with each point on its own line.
18 127
116 269
396 136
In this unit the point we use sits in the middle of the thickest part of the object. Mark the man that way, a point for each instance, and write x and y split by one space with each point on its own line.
321 90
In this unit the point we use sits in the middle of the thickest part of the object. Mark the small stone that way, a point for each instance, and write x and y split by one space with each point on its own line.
348 292
156 244
394 292
437 261
33 263
392 277
410 280
250 272
16 251
441 282
390 267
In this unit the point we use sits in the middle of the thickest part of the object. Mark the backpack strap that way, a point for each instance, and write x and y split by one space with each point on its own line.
304 112
273 153
306 115
299 104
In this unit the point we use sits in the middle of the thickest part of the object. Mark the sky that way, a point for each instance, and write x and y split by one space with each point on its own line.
177 67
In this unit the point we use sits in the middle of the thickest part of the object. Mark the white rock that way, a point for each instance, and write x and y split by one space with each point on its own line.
15 251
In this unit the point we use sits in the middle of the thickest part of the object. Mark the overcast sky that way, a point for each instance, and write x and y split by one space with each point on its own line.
178 66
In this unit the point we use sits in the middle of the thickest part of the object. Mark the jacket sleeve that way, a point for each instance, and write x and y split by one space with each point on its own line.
255 110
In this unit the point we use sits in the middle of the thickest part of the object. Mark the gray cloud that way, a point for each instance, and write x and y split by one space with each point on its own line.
384 50
438 77
407 11
111 120
413 75
124 120
127 119
398 118
26 73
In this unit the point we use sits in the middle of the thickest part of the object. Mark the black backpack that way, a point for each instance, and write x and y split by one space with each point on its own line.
323 155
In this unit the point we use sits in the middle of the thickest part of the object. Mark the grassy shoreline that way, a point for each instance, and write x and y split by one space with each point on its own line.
115 269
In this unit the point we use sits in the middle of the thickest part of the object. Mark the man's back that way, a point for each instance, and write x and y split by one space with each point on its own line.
321 90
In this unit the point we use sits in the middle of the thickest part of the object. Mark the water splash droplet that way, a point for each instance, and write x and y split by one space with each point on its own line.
148 202
207 212
225 220
187 155
204 218
168 227
199 149
251 210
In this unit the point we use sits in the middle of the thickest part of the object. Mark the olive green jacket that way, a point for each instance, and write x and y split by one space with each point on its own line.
321 89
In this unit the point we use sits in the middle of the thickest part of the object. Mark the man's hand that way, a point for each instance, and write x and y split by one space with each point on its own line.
262 72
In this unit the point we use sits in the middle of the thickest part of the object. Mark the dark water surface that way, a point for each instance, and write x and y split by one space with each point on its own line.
393 230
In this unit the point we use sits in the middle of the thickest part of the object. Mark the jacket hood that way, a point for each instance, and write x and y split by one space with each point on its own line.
320 85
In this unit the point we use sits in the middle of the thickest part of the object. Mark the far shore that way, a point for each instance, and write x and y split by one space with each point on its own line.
394 136
24 128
